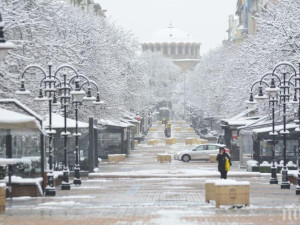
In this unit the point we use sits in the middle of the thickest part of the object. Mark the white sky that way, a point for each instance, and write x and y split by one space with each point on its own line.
205 20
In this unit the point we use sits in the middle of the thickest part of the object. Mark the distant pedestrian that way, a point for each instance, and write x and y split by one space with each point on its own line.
221 158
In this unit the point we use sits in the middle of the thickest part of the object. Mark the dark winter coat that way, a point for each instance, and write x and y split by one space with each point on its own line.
221 160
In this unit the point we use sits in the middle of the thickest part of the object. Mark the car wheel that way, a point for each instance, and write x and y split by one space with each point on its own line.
186 158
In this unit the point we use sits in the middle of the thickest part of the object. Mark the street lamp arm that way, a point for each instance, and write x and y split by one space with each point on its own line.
34 67
94 84
66 66
260 82
77 76
288 64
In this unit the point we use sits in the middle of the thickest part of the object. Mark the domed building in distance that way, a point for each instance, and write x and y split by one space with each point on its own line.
176 44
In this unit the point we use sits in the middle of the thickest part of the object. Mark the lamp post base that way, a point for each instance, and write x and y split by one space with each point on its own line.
273 179
298 190
65 186
285 184
77 180
50 191
65 183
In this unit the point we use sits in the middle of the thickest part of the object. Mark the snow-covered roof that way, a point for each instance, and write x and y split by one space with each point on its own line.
113 123
58 122
13 121
277 128
170 35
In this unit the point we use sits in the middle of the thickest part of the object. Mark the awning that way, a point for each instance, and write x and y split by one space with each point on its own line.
58 122
277 128
10 120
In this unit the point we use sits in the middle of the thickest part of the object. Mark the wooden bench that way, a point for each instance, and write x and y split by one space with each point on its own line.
116 158
164 158
2 197
189 141
26 186
232 193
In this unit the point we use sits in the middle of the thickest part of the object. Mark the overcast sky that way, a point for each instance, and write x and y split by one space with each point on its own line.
205 20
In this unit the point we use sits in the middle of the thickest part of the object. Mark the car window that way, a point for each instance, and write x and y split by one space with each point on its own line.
201 147
212 147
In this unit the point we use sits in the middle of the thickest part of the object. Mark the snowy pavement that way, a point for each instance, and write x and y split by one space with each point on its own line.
155 200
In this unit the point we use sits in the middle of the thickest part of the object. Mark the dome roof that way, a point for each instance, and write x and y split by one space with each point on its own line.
170 35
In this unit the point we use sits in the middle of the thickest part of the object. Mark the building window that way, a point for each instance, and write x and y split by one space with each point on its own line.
165 50
158 48
186 50
172 50
192 51
151 49
179 50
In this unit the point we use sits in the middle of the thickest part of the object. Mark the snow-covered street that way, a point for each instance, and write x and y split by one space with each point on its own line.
143 191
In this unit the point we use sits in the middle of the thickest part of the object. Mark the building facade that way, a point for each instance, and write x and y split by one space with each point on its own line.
246 11
88 5
175 44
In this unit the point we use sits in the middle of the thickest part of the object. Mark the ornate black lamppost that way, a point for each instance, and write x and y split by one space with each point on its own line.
52 92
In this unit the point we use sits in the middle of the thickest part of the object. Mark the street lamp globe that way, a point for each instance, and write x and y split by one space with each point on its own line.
260 96
272 90
251 102
98 101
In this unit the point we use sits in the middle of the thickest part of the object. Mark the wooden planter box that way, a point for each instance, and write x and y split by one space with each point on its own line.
190 129
180 123
159 122
2 197
232 194
27 187
164 158
210 190
170 141
152 142
136 143
116 158
202 141
213 158
153 129
189 141
177 129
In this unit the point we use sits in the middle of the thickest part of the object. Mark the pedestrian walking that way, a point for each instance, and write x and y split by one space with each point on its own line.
224 163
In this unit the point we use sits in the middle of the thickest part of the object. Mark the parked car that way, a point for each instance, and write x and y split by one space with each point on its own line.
201 152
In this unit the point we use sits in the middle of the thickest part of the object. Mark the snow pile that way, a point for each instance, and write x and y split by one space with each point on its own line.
251 163
2 185
25 160
265 164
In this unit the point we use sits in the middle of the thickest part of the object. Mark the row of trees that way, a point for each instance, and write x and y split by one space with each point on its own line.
221 82
52 31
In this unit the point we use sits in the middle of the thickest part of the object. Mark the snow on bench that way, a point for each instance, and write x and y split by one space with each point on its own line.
25 186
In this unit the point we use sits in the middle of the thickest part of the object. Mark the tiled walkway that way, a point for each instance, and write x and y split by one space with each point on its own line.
156 201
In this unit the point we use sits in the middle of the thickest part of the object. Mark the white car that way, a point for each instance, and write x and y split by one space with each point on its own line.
199 152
